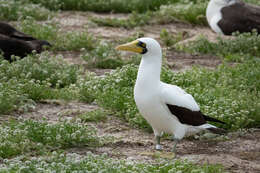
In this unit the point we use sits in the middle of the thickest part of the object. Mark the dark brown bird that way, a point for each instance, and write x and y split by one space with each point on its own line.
228 16
14 42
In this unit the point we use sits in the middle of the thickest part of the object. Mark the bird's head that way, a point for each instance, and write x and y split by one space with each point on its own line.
39 45
145 46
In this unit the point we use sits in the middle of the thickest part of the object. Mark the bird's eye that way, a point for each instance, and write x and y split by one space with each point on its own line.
141 44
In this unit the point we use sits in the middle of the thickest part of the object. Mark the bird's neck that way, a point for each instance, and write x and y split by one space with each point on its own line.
213 9
149 71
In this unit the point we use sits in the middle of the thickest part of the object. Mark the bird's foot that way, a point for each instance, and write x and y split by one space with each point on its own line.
174 145
173 150
158 147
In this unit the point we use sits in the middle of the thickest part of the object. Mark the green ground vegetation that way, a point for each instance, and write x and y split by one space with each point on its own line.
104 56
14 10
72 162
97 115
241 47
33 136
34 78
118 6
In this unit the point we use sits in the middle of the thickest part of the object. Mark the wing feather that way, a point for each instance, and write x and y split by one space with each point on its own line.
10 31
174 95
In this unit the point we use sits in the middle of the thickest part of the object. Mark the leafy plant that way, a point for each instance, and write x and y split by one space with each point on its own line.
192 12
169 40
94 116
118 6
36 77
72 162
14 10
242 46
103 56
27 136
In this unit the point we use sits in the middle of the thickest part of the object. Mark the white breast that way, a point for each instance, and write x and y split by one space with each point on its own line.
154 111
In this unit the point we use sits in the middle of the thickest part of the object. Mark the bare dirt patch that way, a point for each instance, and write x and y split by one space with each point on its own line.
182 61
72 21
56 110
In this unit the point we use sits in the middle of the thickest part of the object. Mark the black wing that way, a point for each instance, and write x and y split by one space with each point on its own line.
240 17
189 117
10 46
10 31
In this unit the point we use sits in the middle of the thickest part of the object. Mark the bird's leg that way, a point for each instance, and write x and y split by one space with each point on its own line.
175 143
158 139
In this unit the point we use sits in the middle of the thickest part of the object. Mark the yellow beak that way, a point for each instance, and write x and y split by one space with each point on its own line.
132 47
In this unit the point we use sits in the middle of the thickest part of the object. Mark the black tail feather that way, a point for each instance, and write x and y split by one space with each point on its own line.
207 118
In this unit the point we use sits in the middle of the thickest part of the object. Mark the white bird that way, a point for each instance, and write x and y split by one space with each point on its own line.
228 16
167 108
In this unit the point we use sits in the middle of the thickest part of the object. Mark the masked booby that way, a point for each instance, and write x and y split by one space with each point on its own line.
14 42
228 16
167 108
